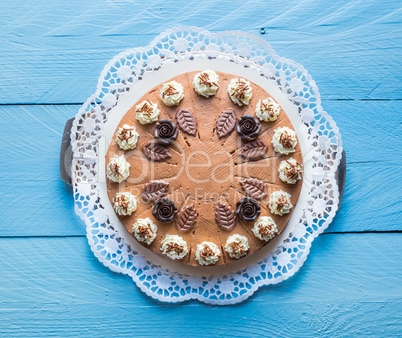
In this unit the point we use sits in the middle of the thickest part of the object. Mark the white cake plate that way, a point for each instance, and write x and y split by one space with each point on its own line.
130 75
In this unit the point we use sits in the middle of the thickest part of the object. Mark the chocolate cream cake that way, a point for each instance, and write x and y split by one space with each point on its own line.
204 169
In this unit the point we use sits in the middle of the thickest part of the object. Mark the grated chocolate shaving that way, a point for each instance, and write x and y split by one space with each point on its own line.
266 230
207 252
175 247
169 91
146 108
204 79
122 202
294 170
268 108
240 91
237 247
125 134
115 169
280 203
286 140
145 231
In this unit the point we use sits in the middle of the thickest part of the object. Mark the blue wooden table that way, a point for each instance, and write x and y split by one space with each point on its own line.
51 54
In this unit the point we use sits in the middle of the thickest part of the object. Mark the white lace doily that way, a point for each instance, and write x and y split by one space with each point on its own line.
244 50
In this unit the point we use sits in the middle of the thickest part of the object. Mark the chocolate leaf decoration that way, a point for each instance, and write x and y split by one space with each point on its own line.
225 123
254 150
254 187
186 218
154 190
225 217
155 151
186 122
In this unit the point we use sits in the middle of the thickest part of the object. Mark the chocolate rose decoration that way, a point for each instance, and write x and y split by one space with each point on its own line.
248 209
164 210
165 131
248 127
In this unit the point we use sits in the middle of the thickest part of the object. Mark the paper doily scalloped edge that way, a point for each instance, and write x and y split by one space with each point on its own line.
173 45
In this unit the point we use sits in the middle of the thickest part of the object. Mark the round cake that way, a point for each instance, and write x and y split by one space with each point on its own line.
204 169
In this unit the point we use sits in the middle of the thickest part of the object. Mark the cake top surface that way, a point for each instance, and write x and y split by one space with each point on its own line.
205 168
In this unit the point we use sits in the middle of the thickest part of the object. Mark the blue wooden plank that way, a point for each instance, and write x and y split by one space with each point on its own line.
372 200
32 195
370 130
53 52
57 287
35 202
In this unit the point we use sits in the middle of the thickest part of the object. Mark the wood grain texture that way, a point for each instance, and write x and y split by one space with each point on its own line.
372 185
57 287
32 195
53 52
370 130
